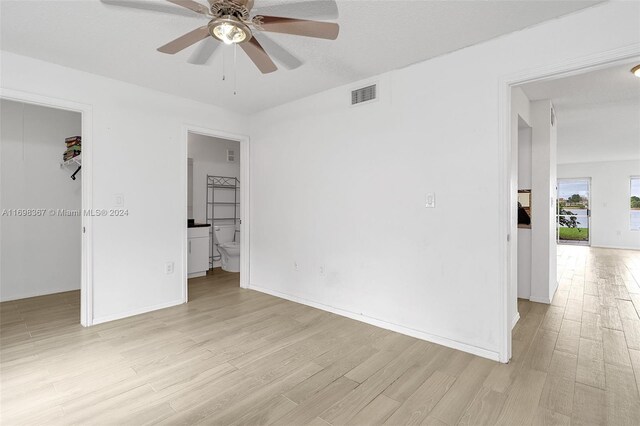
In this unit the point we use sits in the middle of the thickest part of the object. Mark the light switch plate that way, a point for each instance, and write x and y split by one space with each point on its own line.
431 200
118 200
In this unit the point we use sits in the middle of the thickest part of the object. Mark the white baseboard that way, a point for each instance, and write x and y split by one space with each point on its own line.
540 300
475 350
615 247
134 312
36 294
545 300
515 320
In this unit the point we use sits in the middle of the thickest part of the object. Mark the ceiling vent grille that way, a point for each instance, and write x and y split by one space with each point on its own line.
364 94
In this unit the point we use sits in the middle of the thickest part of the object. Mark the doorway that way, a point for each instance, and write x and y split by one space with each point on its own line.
213 205
573 217
40 140
547 88
217 195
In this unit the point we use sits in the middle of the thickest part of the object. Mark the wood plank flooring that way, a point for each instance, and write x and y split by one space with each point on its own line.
238 357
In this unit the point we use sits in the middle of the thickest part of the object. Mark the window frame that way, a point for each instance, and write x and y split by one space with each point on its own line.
631 179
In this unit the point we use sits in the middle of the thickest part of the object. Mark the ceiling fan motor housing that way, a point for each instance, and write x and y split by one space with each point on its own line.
237 8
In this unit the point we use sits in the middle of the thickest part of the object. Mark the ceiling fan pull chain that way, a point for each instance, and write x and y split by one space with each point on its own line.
223 76
235 68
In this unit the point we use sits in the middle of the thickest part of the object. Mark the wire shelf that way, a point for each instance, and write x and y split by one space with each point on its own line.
217 183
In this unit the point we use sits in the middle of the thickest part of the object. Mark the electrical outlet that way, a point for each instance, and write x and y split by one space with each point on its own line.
322 270
168 268
295 266
118 200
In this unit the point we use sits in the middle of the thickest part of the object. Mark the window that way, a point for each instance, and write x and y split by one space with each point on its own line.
574 211
635 203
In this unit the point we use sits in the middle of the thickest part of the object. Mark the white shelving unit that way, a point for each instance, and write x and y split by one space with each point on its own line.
221 215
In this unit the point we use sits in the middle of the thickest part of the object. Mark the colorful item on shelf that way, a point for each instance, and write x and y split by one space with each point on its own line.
73 140
69 157
74 147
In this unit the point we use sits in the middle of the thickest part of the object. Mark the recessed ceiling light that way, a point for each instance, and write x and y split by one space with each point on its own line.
636 70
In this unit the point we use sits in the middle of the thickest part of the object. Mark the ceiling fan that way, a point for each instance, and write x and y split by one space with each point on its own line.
231 22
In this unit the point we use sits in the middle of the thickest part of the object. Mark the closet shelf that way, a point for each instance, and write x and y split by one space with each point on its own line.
225 187
75 161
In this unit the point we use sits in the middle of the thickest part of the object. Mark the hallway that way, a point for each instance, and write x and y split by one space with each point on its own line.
586 347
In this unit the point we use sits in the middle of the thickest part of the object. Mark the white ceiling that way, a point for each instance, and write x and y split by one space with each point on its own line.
375 37
598 114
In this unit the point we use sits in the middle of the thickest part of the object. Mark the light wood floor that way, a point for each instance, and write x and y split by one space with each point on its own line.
233 356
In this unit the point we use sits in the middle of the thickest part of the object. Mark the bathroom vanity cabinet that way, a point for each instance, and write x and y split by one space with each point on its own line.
198 244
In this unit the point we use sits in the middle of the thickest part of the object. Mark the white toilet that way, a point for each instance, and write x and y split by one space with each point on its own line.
223 236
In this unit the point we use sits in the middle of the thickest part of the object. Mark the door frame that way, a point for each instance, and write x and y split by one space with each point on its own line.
572 66
244 199
86 114
588 180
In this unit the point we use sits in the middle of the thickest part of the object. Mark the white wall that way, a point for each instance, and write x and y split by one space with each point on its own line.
39 255
525 169
543 202
139 151
607 131
610 225
340 190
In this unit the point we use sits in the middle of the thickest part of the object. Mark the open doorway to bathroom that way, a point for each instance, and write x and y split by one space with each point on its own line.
213 212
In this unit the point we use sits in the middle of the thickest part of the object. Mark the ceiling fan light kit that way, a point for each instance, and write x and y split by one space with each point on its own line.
229 30
231 23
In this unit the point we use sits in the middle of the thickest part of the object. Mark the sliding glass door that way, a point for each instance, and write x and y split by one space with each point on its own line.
573 211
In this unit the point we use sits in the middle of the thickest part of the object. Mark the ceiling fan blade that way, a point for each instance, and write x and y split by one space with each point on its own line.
278 52
204 52
301 27
256 53
314 9
185 41
147 5
192 5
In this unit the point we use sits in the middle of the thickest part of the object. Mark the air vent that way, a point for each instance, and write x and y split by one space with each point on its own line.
231 156
364 94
